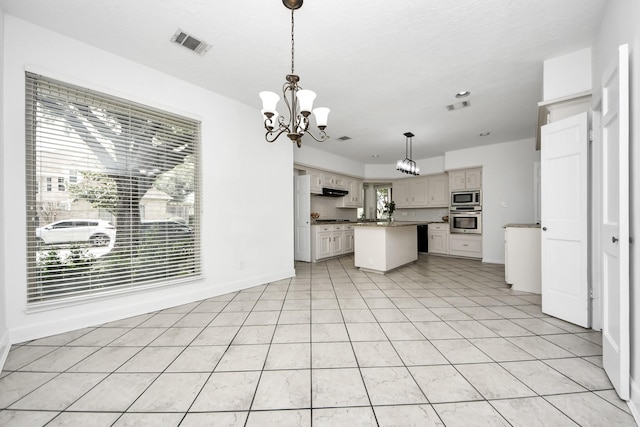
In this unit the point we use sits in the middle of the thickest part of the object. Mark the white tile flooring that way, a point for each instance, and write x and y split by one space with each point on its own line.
439 342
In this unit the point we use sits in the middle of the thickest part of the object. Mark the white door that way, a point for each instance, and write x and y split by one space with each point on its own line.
564 155
614 230
302 212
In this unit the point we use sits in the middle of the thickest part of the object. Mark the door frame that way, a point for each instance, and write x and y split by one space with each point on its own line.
595 195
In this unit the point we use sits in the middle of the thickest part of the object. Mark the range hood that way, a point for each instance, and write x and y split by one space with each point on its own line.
332 192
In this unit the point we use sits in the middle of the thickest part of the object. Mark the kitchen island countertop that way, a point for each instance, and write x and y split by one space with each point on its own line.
390 224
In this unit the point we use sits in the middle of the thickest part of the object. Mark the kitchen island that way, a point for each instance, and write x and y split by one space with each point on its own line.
383 246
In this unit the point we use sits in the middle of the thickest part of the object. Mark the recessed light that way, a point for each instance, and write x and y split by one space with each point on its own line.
375 156
463 94
485 134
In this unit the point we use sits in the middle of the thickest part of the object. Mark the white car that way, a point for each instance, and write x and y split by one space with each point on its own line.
95 231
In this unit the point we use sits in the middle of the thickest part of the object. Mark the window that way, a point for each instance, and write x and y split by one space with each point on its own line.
383 196
135 160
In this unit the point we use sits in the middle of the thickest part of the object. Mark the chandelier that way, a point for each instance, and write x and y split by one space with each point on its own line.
407 165
299 103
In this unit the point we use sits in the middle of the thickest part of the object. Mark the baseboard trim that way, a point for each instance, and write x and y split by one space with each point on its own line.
634 401
5 346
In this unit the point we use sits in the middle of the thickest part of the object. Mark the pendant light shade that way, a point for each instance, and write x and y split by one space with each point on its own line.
269 102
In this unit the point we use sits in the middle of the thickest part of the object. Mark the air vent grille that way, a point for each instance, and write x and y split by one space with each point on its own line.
190 42
458 105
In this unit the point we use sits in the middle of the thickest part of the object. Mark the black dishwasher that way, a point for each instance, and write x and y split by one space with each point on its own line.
423 238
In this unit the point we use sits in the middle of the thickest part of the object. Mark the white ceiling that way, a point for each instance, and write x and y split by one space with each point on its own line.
383 67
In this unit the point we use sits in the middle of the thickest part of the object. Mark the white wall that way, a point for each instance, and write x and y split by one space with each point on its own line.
309 156
4 330
567 75
507 188
620 26
247 228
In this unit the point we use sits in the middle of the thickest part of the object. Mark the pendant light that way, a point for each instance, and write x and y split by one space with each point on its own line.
407 165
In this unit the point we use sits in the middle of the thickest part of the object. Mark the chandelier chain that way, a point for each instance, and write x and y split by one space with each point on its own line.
292 44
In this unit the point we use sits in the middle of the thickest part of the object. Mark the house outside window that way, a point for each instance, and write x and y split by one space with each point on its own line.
139 167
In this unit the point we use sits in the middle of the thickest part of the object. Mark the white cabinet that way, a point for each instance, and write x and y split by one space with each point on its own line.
321 179
411 193
331 240
337 247
522 258
334 181
354 198
400 194
438 191
316 181
465 245
348 239
430 191
438 235
323 244
465 179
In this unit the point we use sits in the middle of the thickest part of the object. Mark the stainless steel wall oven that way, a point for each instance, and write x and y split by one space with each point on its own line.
467 220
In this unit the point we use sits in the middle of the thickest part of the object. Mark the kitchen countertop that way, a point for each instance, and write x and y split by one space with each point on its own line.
389 224
522 226
382 223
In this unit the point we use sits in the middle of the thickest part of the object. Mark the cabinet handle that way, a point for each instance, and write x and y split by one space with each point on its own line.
614 239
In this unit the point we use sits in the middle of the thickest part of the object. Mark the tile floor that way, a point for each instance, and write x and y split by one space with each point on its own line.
438 342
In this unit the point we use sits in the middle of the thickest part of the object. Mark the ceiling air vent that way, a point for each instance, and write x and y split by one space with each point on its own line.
344 138
458 105
190 42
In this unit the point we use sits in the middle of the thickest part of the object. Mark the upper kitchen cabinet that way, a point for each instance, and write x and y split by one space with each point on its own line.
354 198
317 181
334 181
425 192
410 193
438 191
321 179
465 179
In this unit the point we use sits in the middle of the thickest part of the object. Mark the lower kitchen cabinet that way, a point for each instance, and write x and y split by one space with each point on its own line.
331 240
467 245
348 239
438 234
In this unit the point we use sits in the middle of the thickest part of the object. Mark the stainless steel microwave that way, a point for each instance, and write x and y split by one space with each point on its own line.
466 198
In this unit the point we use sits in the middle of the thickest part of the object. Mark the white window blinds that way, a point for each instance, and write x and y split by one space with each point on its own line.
124 209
